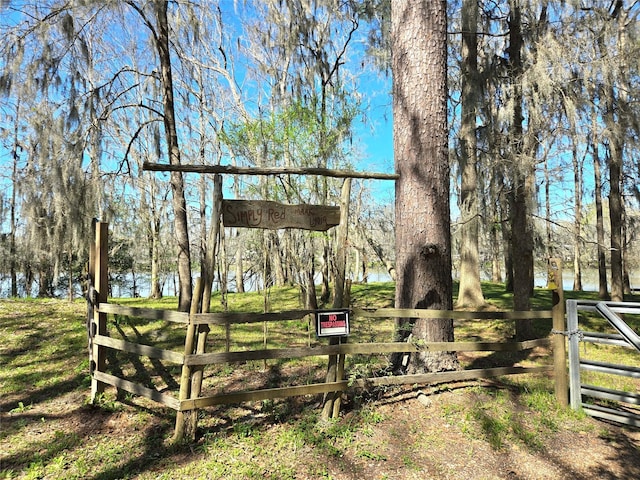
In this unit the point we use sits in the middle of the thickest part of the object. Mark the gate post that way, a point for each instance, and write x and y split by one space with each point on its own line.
100 280
559 329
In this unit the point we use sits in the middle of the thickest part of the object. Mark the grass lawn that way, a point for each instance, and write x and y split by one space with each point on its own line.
509 427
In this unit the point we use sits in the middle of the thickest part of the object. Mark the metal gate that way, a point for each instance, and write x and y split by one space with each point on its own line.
612 404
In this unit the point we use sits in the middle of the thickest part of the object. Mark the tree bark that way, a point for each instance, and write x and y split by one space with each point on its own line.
603 288
423 241
211 245
577 222
325 292
181 224
470 291
340 278
615 208
13 207
156 290
523 183
239 264
615 218
340 300
153 239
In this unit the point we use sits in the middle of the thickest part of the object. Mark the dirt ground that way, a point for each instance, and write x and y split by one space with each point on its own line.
453 449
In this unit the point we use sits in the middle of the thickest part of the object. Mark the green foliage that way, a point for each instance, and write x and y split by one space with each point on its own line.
21 408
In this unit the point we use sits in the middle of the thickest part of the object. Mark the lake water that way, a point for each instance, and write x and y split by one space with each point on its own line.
124 288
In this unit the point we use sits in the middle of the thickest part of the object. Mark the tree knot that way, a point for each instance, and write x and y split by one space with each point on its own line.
429 250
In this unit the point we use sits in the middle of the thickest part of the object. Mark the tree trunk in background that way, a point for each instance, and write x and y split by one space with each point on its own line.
615 210
496 272
309 286
342 236
12 227
423 240
577 222
277 260
156 290
505 226
493 227
523 186
211 245
470 292
325 292
522 244
181 224
626 282
547 209
616 103
239 264
603 289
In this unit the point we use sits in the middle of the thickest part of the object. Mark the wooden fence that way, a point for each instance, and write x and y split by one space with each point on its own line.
195 358
184 401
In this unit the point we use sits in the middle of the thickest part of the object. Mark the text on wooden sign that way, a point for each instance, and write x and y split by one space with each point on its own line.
274 215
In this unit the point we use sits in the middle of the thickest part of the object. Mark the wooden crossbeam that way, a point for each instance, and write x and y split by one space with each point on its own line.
233 170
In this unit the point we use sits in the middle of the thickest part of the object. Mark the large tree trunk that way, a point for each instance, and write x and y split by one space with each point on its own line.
522 244
423 241
523 184
470 291
177 185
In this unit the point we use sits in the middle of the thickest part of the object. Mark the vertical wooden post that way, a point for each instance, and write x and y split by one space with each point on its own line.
346 301
200 347
91 298
559 329
100 281
329 397
341 298
186 377
338 395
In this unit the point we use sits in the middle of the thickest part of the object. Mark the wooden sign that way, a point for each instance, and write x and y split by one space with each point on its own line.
274 215
332 323
554 274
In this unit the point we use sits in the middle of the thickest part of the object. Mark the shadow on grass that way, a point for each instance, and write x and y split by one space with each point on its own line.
154 454
58 389
523 414
627 455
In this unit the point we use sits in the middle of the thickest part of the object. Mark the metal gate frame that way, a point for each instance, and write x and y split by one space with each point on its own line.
626 337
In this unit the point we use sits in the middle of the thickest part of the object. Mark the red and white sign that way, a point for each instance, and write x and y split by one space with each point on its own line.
332 323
